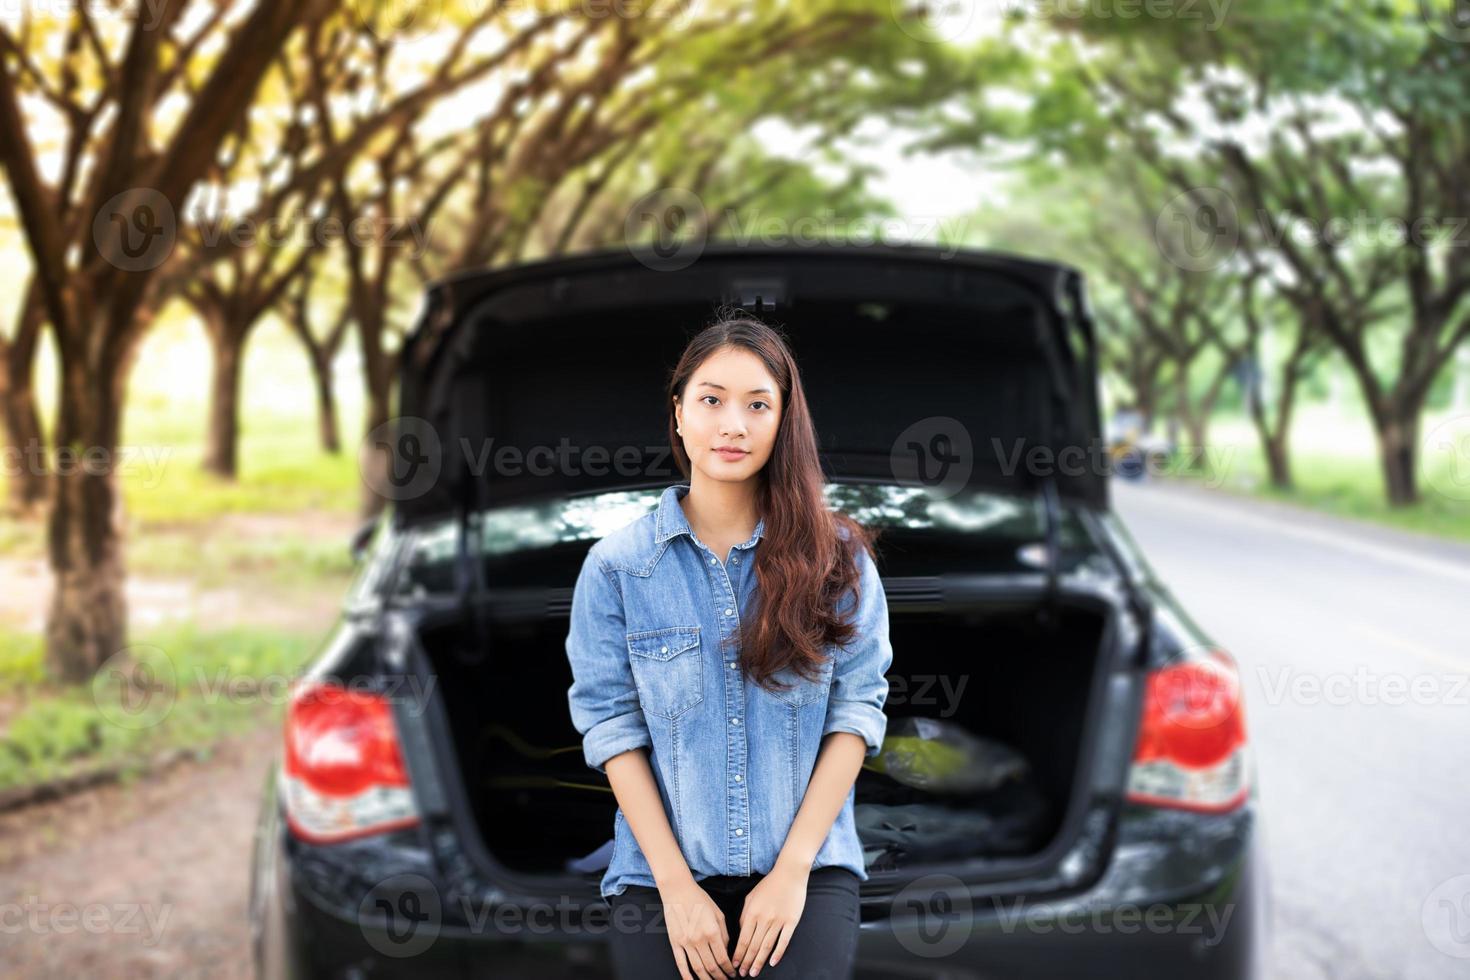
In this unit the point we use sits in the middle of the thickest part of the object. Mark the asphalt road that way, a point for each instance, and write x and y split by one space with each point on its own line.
1354 647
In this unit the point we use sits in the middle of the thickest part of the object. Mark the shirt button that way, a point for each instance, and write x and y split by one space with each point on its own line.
714 561
739 778
739 832
734 721
732 665
663 649
729 612
734 561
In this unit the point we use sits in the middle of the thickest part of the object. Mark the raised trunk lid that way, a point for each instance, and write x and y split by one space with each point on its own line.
947 368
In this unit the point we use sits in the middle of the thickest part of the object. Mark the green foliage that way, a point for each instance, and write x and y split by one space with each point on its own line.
222 682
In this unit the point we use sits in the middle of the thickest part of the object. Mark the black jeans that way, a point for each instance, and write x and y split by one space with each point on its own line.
822 947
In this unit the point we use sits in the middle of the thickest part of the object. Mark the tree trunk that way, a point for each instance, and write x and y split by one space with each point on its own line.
326 403
26 475
87 621
222 438
1278 461
1397 442
377 377
374 464
27 485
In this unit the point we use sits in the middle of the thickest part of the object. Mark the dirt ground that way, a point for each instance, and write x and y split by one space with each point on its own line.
151 878
153 599
142 880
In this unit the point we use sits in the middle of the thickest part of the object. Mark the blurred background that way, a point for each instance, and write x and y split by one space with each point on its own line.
219 219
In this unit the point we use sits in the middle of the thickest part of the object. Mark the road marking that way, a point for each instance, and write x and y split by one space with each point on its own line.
1335 539
1414 648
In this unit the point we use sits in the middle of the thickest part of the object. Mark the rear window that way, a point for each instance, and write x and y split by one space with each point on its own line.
528 545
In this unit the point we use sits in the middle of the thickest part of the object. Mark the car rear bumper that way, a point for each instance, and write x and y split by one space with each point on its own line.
1116 928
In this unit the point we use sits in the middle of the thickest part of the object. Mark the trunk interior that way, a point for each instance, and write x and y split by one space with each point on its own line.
994 669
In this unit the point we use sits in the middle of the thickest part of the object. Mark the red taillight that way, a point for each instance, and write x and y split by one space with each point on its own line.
1192 752
343 774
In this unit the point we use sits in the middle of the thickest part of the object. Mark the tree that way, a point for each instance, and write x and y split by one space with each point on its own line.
587 116
27 487
95 237
1312 117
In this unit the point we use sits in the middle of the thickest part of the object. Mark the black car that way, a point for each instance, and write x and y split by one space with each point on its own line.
432 813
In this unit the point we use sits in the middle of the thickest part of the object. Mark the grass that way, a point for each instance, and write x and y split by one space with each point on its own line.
1336 471
208 684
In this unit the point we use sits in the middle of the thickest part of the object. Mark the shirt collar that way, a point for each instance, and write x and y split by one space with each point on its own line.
671 521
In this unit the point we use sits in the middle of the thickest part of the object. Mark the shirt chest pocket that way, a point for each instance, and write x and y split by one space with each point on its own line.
667 669
800 690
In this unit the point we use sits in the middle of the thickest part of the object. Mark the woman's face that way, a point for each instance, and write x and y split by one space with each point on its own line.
730 400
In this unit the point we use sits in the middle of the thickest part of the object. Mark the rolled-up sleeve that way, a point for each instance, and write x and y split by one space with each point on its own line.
603 697
859 677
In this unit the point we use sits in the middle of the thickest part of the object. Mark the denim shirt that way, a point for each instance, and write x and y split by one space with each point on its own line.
731 759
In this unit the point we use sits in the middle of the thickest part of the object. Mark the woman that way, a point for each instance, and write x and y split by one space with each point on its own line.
728 654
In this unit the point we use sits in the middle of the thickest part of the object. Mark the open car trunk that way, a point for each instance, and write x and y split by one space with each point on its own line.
978 662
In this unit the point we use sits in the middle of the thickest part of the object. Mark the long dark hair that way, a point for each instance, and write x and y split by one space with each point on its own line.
803 567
